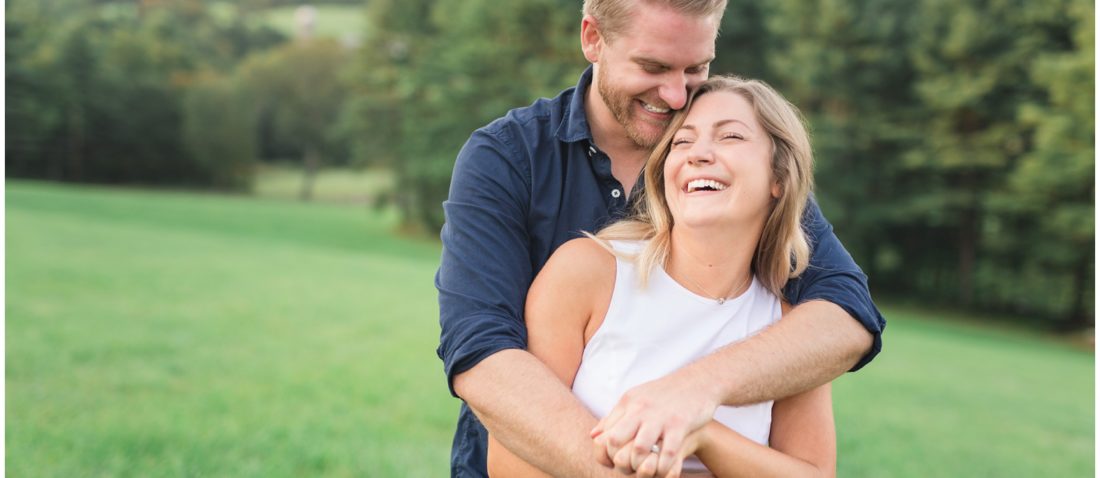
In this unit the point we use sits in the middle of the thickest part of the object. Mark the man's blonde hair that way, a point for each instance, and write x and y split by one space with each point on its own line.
782 251
613 16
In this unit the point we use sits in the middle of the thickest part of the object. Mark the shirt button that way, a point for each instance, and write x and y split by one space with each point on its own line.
615 193
591 150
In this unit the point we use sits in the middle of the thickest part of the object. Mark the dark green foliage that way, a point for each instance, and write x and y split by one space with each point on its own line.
743 35
219 131
989 148
840 63
1047 198
432 72
96 90
954 144
298 91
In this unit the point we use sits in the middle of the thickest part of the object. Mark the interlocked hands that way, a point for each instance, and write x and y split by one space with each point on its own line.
654 427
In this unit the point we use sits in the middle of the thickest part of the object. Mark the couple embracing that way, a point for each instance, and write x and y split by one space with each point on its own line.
697 329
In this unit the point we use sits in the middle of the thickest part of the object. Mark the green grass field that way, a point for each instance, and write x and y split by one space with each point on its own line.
174 334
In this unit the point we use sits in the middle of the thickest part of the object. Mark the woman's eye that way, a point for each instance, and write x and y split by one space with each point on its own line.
680 141
732 136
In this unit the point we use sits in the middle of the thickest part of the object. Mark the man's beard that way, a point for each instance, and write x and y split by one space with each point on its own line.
621 106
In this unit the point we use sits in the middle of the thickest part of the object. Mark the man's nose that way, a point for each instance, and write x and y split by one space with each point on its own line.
674 91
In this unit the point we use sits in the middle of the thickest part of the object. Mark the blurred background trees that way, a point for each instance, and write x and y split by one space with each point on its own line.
298 89
432 72
954 139
96 89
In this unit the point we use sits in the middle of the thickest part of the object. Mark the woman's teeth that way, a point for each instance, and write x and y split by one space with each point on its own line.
705 184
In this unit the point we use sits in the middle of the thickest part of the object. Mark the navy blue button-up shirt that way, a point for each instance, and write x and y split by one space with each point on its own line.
524 185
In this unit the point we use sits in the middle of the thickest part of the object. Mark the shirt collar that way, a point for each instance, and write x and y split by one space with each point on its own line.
574 123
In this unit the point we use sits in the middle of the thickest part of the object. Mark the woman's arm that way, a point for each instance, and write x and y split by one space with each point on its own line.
573 287
803 441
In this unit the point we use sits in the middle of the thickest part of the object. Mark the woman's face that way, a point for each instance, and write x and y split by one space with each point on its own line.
718 171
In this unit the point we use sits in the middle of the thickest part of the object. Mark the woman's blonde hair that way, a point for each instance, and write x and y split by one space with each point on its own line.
782 251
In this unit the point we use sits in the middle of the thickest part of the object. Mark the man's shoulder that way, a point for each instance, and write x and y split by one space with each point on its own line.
531 125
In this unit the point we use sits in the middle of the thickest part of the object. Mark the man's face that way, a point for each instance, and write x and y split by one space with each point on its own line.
647 71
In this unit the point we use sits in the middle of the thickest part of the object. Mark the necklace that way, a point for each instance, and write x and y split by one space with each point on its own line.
722 300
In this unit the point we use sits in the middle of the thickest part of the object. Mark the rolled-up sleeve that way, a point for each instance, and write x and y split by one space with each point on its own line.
485 269
833 276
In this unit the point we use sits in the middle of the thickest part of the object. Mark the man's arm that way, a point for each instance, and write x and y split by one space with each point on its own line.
573 287
483 278
802 442
528 410
485 267
813 344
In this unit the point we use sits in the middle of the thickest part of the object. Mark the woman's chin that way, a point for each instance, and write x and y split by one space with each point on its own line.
710 222
702 222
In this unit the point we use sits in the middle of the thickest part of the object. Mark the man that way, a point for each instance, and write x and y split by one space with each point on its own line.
530 181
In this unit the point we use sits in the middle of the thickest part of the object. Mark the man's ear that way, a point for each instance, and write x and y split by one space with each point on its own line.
591 39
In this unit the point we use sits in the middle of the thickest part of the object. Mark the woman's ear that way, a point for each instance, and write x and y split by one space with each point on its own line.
777 190
591 39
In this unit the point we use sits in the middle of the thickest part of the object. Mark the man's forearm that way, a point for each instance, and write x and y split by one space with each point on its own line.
528 409
813 344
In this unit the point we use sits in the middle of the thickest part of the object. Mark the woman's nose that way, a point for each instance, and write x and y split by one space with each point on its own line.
701 153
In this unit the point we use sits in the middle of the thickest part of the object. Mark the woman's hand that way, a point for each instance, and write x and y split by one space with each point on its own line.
652 412
647 467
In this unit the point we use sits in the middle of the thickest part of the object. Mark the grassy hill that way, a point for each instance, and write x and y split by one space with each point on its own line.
173 334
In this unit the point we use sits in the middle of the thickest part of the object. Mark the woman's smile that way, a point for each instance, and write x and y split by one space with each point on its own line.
704 185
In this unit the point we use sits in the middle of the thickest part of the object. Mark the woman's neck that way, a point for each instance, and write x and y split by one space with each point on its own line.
713 263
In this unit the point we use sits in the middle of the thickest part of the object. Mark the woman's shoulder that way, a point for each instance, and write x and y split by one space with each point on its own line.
584 254
583 265
574 283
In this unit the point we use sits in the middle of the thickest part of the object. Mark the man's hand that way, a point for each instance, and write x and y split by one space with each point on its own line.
663 412
648 466
813 344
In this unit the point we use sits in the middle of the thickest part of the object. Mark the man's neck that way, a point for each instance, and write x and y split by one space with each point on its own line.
627 172
627 158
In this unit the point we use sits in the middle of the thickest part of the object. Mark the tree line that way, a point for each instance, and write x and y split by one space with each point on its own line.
172 92
954 138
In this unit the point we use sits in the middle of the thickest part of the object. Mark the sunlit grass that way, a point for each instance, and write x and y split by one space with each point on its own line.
948 399
173 334
371 187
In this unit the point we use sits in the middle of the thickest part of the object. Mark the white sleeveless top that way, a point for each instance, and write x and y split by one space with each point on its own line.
649 333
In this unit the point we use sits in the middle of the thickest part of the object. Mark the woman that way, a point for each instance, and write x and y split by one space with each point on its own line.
700 265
